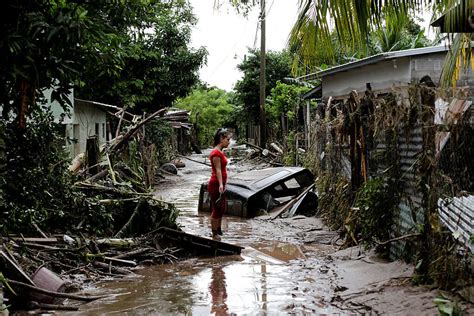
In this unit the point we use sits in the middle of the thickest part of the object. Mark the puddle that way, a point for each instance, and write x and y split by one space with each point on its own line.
274 274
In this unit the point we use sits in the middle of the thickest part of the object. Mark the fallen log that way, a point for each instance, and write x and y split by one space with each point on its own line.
117 146
111 259
278 149
99 175
56 294
46 240
262 150
39 230
11 260
121 261
117 242
46 247
111 268
132 253
206 164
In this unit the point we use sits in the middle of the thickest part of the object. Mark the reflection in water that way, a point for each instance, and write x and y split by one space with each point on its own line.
263 271
218 291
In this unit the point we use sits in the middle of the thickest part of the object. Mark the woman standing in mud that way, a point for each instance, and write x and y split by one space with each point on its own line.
218 180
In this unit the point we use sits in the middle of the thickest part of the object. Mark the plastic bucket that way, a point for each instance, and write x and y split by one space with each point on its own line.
47 280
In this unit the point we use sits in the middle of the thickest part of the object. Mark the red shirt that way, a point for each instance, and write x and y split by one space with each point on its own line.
223 158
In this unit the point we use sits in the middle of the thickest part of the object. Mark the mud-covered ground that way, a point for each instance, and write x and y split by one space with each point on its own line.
288 266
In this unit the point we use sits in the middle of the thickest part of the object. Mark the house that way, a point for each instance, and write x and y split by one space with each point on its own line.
397 72
81 121
386 70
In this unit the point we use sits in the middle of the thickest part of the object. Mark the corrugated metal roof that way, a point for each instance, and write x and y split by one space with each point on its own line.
375 59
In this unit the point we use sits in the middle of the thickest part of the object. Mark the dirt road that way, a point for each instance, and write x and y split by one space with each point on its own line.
288 266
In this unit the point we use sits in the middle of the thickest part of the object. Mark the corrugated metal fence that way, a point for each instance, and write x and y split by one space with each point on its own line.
410 208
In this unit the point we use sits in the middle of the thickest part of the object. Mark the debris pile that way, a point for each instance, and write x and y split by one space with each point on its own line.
115 184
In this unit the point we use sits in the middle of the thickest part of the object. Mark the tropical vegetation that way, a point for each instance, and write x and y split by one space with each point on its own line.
210 109
354 21
247 89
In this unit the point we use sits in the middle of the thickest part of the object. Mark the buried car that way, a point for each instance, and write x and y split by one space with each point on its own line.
257 192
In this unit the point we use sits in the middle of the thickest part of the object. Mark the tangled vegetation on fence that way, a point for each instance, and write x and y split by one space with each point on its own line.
361 154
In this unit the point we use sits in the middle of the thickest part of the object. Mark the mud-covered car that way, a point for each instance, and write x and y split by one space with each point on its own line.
257 192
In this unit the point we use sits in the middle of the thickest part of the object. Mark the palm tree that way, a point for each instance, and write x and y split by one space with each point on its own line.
354 20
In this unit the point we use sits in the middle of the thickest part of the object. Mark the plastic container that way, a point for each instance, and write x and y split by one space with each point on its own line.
47 280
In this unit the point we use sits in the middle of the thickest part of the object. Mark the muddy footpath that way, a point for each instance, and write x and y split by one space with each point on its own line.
288 266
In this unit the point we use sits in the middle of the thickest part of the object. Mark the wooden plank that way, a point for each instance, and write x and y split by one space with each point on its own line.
38 240
201 244
16 267
292 202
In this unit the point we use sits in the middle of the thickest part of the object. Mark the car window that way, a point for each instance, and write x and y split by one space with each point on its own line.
292 184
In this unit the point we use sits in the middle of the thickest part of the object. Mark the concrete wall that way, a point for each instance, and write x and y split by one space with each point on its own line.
432 65
380 75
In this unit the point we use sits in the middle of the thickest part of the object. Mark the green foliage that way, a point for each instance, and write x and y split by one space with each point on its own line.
278 66
285 98
289 157
398 33
43 44
353 21
446 307
104 47
62 44
211 107
334 198
375 205
157 65
36 186
159 133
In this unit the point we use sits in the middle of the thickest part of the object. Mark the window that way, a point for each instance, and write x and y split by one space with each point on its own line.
97 127
292 184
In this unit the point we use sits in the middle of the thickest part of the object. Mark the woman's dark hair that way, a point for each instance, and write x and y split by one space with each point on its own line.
221 133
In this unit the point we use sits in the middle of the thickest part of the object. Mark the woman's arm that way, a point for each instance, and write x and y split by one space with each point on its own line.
217 163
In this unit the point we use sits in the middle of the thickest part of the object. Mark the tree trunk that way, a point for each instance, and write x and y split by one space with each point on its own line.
24 99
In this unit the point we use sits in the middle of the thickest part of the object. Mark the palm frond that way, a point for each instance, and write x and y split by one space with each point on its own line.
458 58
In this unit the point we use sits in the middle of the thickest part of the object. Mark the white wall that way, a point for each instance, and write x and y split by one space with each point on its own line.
380 75
84 124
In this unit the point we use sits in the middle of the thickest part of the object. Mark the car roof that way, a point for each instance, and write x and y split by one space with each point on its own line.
256 180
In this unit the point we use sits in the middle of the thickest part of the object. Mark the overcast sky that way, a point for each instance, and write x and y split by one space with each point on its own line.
227 36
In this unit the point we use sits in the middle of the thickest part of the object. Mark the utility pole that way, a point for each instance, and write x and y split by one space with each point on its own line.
263 124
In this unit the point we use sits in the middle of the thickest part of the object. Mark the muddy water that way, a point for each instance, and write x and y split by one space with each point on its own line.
276 274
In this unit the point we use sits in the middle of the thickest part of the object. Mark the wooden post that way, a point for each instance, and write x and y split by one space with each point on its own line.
92 154
263 125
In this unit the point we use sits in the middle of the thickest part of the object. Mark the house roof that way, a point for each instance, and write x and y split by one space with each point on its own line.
460 19
375 59
316 92
99 104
